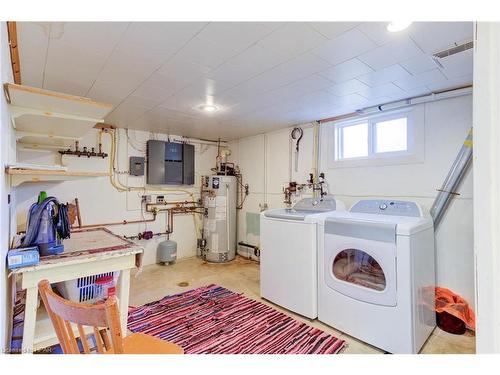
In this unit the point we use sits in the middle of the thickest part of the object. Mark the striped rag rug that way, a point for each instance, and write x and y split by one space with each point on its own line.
215 320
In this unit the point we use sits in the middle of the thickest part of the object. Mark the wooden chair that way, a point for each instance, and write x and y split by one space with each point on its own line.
105 319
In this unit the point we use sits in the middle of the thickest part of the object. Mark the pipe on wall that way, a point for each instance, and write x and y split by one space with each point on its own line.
123 222
446 94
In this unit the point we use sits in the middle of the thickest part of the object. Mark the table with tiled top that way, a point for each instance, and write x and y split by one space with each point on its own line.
88 252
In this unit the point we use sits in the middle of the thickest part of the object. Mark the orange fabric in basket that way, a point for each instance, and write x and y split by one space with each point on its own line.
455 305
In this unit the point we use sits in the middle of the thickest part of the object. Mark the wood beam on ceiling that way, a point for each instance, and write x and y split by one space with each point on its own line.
14 51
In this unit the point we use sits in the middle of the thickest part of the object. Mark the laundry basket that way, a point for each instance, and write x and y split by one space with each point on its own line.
84 289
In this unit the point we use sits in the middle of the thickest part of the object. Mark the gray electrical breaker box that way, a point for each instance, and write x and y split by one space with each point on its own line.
136 167
170 163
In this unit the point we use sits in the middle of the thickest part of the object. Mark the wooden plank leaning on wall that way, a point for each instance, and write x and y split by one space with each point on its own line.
14 52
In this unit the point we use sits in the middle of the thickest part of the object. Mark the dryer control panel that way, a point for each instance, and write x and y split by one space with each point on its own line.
387 207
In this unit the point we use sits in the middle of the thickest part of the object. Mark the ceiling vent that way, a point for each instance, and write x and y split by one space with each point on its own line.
454 50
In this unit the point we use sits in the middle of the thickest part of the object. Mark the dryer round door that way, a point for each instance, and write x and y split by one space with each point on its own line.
361 268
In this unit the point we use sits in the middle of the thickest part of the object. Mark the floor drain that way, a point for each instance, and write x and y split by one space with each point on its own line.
183 283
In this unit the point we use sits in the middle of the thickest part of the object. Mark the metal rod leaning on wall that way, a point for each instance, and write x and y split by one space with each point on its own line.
452 181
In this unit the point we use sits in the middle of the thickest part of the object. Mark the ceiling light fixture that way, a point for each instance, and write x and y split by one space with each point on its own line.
396 26
208 108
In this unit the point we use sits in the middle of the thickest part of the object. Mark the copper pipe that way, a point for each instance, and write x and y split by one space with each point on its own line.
124 222
177 203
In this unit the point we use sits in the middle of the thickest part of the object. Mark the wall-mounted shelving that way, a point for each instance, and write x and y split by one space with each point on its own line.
52 120
19 176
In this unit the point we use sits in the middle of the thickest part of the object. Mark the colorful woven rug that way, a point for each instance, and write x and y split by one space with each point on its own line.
213 319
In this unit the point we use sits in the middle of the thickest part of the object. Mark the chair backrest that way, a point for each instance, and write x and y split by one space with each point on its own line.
104 319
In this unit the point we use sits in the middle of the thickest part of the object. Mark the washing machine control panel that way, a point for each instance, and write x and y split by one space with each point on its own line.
387 207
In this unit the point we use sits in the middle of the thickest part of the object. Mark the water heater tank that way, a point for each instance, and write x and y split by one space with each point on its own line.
219 221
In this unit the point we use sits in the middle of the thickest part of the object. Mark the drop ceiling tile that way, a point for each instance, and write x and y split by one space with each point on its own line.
68 84
179 67
354 101
152 92
435 36
451 83
346 71
158 40
32 73
344 47
206 86
292 39
422 79
304 85
391 53
286 73
458 65
140 101
128 66
71 63
88 36
331 30
257 89
419 64
316 97
172 83
348 87
254 61
206 53
418 91
32 38
286 95
377 31
389 74
112 91
163 113
126 114
385 90
239 35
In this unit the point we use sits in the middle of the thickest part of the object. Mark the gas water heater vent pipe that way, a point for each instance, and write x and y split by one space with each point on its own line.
452 181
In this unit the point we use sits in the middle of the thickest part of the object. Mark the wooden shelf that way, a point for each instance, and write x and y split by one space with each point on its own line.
47 118
20 176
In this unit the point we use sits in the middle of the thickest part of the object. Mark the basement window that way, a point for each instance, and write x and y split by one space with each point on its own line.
374 140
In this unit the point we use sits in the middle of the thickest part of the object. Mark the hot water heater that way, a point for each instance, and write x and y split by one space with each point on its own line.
219 220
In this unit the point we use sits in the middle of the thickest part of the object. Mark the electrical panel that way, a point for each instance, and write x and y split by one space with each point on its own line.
136 165
170 163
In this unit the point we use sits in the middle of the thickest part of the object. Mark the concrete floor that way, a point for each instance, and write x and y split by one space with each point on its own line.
242 276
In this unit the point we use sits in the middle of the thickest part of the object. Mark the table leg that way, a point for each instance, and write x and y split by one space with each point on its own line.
30 319
123 296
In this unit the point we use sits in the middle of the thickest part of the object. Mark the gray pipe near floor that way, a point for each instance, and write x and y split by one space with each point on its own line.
452 181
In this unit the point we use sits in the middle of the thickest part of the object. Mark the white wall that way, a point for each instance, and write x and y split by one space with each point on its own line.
100 202
487 185
446 124
7 154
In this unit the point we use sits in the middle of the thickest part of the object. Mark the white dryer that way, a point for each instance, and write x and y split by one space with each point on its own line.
376 274
288 258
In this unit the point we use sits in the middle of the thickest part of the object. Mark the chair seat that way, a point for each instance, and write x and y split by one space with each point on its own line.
139 343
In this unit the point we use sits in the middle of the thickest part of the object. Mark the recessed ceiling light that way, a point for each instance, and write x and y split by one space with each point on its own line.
208 108
396 26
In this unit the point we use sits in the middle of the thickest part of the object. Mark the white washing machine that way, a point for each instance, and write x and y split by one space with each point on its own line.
376 274
288 258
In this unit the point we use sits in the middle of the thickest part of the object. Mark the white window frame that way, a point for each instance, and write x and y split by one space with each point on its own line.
415 141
